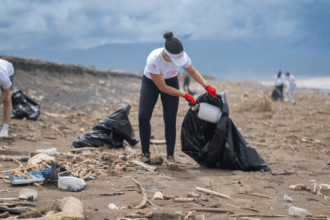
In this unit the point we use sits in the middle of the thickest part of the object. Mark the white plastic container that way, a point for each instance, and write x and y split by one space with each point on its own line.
70 183
209 113
113 206
50 151
26 193
298 211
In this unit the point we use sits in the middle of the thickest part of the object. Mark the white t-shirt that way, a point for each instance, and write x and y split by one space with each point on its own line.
6 70
158 65
279 81
290 78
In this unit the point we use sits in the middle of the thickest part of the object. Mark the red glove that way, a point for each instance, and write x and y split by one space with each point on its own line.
211 90
189 98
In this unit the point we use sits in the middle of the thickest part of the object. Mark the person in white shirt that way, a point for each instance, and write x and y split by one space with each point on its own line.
160 78
6 83
291 87
279 83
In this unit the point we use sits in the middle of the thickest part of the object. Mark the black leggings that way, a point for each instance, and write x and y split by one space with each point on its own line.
148 98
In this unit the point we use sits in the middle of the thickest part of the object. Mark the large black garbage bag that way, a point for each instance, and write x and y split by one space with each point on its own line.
276 94
111 131
24 106
218 145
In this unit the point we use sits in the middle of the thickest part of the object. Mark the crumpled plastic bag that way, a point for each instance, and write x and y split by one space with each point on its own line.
111 131
24 106
218 145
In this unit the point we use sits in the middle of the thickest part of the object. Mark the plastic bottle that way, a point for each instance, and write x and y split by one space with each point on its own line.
287 198
298 211
49 151
113 206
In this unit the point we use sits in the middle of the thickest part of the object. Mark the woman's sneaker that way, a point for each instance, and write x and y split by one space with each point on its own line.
171 164
145 158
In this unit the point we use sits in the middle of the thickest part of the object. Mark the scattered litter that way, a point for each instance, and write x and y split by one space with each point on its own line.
158 196
298 211
193 195
71 183
13 154
25 194
113 206
4 190
287 198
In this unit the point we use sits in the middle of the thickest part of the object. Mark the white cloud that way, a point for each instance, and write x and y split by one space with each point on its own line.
82 24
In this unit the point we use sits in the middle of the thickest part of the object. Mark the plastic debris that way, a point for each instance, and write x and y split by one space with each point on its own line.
27 193
298 211
113 206
50 151
71 183
287 198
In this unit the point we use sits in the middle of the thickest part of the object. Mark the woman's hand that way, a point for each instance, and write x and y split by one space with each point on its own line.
211 90
189 98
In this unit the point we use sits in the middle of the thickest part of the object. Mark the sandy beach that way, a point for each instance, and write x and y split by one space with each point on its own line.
292 139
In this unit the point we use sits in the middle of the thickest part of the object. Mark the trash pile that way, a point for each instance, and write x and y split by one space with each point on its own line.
111 131
24 107
218 145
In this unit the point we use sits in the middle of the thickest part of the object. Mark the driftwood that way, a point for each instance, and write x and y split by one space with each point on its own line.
18 203
4 215
212 210
284 172
184 200
32 214
257 215
145 166
255 194
112 194
79 150
167 197
136 215
8 199
212 192
158 141
188 215
145 198
251 209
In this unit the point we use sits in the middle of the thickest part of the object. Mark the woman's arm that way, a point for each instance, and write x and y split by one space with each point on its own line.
160 83
195 74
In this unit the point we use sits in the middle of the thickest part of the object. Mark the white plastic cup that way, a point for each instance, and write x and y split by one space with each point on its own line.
209 113
298 211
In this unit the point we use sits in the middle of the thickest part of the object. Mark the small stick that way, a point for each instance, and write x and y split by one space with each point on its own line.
184 200
296 167
145 166
167 197
188 215
8 199
257 215
145 198
156 151
212 193
158 141
212 210
255 194
112 194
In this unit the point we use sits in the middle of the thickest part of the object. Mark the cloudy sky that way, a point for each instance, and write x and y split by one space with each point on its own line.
227 39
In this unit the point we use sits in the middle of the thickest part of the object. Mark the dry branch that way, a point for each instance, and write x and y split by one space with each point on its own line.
112 194
145 198
212 192
255 194
212 210
184 200
257 215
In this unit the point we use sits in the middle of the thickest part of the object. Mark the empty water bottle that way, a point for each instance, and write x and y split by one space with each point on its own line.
298 211
50 151
113 206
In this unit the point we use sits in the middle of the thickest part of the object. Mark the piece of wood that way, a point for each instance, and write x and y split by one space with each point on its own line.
212 210
158 196
112 194
79 150
188 215
284 172
4 215
156 151
255 194
251 209
8 199
184 200
135 215
257 215
144 195
167 197
158 141
212 193
145 166
193 195
18 203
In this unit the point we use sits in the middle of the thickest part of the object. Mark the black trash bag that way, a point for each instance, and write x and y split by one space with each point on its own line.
24 107
111 131
218 145
276 94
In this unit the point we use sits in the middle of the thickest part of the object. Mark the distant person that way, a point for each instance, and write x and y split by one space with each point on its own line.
6 83
160 78
279 84
291 87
